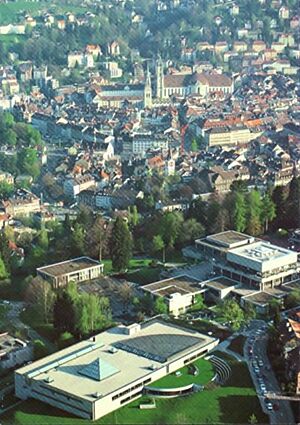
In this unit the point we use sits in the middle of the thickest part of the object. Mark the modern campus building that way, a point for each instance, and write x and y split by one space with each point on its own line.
97 376
179 292
75 270
250 261
14 351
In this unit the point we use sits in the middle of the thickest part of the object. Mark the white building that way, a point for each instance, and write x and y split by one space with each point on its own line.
250 261
76 270
179 292
97 376
74 185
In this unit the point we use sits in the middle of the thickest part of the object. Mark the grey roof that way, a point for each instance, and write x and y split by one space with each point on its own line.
98 370
158 347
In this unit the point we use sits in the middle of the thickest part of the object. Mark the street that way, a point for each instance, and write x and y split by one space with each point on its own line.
264 379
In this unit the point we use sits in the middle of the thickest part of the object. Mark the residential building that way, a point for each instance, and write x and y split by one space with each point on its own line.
75 270
97 376
21 203
74 185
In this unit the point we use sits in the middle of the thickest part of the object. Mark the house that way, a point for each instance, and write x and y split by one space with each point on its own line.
6 177
240 46
221 47
76 270
113 48
284 12
258 46
74 185
22 202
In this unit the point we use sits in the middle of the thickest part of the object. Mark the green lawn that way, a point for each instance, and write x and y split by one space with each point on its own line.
206 373
232 403
140 271
10 12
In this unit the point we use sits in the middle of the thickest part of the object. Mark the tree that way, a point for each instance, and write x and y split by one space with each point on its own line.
5 251
194 145
159 245
254 212
250 312
293 203
133 217
3 271
64 313
190 230
43 240
126 293
160 307
121 245
268 212
169 227
232 313
77 240
293 299
39 294
279 196
239 213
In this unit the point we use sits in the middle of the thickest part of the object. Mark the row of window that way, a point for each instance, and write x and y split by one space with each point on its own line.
195 356
115 397
131 397
46 396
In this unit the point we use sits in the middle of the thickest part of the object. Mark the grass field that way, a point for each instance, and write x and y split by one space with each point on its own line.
232 403
11 11
206 373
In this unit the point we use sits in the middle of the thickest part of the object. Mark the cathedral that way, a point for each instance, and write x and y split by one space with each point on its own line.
182 84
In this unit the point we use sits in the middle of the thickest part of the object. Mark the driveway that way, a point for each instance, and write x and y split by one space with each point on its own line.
255 353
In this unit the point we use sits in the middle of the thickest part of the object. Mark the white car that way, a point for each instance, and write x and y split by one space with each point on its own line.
269 406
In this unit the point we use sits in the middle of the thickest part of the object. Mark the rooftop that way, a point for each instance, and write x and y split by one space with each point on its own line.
114 358
230 239
183 285
221 283
70 266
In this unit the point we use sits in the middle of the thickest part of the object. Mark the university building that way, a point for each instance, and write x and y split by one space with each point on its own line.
97 376
75 270
248 260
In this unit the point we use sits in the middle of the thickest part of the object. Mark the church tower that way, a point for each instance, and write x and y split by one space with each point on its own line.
148 90
159 78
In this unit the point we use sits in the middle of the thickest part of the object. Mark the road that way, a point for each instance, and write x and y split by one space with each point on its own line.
255 352
16 307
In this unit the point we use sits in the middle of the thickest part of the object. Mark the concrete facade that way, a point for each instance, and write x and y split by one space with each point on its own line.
132 358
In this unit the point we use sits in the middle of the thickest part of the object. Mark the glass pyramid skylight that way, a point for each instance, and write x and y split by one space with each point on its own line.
98 370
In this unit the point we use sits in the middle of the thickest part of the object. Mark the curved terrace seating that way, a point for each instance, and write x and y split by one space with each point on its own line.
223 370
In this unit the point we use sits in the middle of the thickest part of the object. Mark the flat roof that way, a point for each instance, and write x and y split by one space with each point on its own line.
221 282
261 298
262 252
182 284
229 238
77 370
70 266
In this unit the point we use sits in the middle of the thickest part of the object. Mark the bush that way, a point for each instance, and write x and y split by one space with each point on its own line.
39 349
282 233
65 339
